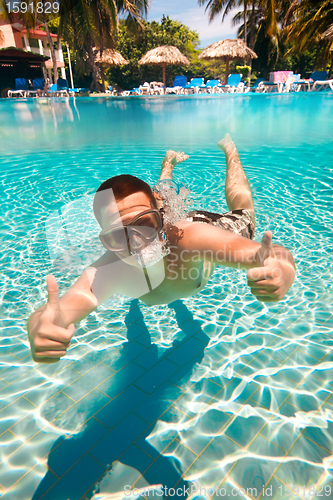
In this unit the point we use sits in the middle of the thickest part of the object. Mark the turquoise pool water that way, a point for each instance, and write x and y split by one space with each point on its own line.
217 391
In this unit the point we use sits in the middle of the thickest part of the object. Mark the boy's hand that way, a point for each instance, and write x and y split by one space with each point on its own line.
272 279
48 339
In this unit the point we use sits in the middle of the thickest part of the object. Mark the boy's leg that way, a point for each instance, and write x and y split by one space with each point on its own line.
237 188
171 159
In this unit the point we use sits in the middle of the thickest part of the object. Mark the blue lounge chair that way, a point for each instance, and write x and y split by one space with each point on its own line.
21 87
193 86
77 91
53 89
256 86
266 86
37 85
196 83
234 83
307 84
322 85
211 86
62 87
179 83
126 93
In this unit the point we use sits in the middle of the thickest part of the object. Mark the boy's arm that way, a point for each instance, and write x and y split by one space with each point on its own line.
51 327
271 268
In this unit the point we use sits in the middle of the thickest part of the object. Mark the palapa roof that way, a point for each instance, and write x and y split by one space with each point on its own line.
233 49
13 55
328 33
165 54
109 57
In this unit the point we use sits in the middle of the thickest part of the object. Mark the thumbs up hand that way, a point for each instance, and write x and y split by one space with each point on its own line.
48 338
274 274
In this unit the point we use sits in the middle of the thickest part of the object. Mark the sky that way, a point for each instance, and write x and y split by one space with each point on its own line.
189 13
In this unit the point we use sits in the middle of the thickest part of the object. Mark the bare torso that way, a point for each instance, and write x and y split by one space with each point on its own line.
180 274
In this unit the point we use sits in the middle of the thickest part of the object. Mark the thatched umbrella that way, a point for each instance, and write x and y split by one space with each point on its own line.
228 49
328 34
163 55
109 58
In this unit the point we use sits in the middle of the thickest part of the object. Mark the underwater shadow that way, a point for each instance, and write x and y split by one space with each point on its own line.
142 389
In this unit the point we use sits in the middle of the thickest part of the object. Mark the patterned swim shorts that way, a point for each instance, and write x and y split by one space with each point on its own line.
237 221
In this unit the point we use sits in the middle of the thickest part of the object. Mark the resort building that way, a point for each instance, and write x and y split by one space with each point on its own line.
15 35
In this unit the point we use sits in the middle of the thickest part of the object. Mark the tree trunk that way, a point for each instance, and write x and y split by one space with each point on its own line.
245 22
93 65
252 25
53 54
226 71
103 78
245 27
164 74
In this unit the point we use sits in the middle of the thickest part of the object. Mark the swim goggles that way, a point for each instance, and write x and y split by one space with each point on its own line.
134 236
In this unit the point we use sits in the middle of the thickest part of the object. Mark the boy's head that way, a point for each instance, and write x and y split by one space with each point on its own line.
121 195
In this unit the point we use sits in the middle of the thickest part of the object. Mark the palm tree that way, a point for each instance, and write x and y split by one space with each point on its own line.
86 24
215 7
305 22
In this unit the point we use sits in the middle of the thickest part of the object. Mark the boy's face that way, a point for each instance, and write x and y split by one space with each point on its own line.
123 213
127 208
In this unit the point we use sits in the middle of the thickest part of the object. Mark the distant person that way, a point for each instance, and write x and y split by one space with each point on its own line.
47 86
149 258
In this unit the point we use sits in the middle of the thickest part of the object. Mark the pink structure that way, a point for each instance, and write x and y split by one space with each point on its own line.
15 35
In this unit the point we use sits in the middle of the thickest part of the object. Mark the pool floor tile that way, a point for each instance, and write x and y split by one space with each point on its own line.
8 445
130 351
223 447
26 487
320 436
252 472
119 439
9 415
243 430
85 408
26 428
87 382
262 447
117 409
148 358
18 464
295 472
81 477
136 458
121 379
166 472
157 402
56 406
263 397
67 451
184 373
186 351
282 435
156 376
304 448
92 359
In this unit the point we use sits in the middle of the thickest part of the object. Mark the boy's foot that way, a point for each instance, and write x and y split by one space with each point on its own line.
171 159
226 144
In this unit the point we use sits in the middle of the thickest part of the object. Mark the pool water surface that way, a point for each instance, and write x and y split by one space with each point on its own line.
217 394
